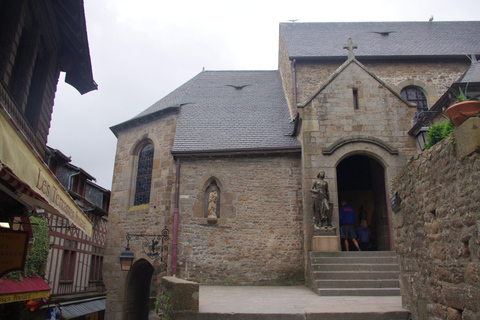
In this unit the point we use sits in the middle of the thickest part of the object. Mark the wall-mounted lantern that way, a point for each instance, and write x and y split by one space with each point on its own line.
126 259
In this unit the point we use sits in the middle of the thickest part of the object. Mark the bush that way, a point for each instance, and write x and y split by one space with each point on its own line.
437 132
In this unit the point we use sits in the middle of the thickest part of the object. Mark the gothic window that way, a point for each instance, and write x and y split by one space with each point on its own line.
144 175
415 95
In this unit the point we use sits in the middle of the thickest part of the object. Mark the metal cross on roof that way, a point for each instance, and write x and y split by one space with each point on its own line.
350 46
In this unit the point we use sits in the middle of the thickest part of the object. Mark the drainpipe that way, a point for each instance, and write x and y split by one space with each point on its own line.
294 71
70 179
175 219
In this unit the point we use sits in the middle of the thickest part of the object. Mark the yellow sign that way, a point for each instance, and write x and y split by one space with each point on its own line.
26 165
13 250
14 297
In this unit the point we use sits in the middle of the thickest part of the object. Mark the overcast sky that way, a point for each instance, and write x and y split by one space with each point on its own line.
142 50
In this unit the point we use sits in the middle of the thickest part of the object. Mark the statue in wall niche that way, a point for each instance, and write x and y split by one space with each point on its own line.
322 208
212 203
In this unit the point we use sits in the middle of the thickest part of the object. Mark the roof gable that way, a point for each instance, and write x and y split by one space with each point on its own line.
342 68
382 39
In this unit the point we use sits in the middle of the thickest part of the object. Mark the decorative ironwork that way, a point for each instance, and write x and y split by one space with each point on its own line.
425 117
153 245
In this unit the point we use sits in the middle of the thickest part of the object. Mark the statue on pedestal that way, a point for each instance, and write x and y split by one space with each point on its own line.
212 203
322 208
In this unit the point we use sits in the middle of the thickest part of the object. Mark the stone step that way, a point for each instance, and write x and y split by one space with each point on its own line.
315 254
355 267
343 284
376 292
348 315
347 275
351 260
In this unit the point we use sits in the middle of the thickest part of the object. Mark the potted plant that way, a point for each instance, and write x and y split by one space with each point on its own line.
465 108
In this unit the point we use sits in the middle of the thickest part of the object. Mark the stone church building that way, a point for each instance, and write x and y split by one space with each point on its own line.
222 167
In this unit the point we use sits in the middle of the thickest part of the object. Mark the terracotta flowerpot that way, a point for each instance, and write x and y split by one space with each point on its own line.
460 112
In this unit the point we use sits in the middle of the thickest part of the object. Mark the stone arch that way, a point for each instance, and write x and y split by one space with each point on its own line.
343 141
429 90
361 182
390 163
137 291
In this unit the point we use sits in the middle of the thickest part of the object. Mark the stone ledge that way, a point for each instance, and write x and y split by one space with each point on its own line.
467 138
179 294
326 243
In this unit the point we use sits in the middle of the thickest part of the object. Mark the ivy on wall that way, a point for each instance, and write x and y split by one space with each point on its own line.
37 257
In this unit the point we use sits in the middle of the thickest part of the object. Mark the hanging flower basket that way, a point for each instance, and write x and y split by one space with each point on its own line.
462 111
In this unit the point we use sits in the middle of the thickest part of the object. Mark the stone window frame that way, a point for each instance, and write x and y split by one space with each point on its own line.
134 169
418 90
430 91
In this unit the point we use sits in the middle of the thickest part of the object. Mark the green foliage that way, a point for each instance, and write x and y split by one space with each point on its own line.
37 257
165 305
438 132
462 95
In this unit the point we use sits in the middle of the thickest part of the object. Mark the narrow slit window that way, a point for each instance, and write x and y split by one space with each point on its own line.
355 99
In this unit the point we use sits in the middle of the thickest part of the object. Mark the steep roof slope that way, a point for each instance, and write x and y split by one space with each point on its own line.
382 39
472 74
226 111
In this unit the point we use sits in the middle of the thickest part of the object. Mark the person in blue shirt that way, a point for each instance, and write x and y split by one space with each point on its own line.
347 223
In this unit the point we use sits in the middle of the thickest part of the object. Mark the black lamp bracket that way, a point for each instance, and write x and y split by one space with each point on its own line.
155 246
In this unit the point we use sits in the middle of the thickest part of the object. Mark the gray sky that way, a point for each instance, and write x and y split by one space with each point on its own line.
142 50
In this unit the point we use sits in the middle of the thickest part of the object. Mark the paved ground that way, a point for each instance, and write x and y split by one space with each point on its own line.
286 299
289 303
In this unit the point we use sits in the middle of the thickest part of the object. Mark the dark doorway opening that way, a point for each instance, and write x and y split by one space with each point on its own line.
137 302
361 182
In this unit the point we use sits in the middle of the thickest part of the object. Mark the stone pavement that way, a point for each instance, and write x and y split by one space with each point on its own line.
295 302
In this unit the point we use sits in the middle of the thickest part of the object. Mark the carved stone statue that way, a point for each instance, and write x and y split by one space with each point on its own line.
322 210
212 203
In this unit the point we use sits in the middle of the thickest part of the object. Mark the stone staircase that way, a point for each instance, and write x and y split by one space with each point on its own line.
354 273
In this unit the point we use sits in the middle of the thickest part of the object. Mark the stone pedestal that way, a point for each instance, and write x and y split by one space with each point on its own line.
326 243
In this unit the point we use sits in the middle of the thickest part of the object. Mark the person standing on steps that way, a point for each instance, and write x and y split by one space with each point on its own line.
347 223
364 235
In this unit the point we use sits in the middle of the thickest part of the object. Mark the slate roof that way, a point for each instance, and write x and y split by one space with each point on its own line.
472 74
382 39
224 111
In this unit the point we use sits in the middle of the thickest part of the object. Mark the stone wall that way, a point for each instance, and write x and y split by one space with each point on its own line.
286 72
258 236
331 117
438 229
125 218
432 77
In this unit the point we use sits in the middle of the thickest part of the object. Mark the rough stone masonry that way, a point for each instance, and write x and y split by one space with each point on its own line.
438 228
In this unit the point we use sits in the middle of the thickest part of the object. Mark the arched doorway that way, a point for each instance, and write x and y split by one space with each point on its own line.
137 292
361 182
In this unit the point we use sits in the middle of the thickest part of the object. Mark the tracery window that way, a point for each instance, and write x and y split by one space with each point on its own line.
415 95
144 175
